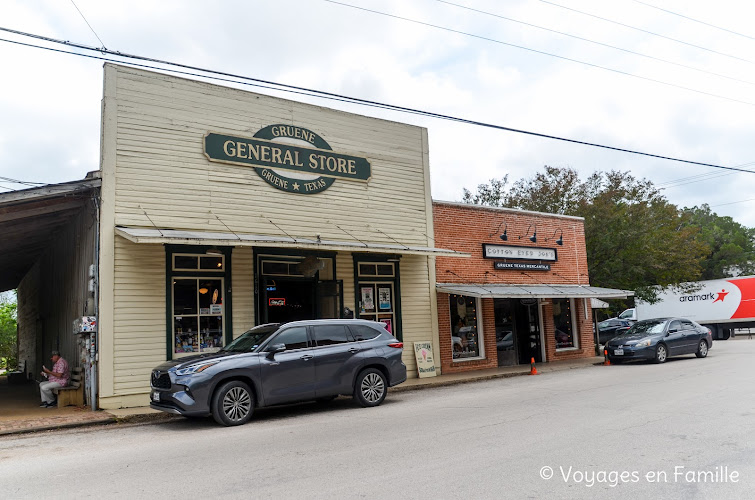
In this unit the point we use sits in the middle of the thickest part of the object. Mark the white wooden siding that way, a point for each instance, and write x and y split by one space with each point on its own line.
242 269
345 272
139 342
416 318
161 168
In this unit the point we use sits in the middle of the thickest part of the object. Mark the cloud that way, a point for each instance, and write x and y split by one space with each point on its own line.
51 103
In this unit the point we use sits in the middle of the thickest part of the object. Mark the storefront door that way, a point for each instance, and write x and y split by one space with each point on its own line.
527 330
288 299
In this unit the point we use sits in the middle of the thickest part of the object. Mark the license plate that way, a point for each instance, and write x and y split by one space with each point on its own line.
618 352
156 397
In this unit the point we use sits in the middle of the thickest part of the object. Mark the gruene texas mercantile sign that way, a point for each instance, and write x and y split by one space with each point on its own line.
268 157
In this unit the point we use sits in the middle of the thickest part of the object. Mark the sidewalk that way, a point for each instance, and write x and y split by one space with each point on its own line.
25 416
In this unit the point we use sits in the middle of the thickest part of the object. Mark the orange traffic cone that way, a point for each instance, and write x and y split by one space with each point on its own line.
533 370
607 361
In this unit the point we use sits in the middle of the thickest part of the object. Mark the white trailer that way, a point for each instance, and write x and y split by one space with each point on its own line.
721 305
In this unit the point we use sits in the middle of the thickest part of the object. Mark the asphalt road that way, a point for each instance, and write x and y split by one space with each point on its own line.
679 430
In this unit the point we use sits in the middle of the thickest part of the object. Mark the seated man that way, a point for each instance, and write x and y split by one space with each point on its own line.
57 377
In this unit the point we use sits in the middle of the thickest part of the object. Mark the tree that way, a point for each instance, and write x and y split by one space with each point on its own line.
8 334
635 238
731 245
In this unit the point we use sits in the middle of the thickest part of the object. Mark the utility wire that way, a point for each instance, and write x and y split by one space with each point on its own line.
732 203
332 96
698 178
696 20
596 42
648 32
549 54
90 26
27 183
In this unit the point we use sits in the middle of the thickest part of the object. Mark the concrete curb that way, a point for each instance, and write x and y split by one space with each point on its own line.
59 426
449 382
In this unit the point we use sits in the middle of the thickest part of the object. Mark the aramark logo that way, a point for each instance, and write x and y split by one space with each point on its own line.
718 296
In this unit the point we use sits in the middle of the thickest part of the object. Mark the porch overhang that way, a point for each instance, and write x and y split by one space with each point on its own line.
490 290
29 220
210 238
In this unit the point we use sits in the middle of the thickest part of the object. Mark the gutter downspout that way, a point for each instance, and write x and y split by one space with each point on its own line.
93 339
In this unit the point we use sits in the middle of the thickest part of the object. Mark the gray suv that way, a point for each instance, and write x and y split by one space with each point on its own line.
282 363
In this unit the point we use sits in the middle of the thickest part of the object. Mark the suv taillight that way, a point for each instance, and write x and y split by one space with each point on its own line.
396 345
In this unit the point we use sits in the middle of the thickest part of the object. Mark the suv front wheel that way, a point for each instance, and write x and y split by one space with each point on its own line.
233 403
370 388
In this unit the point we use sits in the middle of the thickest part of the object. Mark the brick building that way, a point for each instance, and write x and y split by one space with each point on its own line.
525 292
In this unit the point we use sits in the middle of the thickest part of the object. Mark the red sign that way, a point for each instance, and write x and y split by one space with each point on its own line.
276 302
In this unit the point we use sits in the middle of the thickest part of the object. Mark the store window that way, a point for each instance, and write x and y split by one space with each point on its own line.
563 320
197 302
197 315
465 333
376 293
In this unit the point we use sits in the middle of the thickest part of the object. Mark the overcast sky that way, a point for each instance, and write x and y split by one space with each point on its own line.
702 111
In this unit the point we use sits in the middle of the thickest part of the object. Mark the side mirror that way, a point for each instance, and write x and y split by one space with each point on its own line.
672 330
275 348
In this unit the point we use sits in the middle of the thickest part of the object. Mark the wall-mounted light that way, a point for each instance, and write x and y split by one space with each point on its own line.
560 240
533 238
504 236
213 251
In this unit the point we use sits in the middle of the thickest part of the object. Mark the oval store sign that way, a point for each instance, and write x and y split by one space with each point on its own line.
278 155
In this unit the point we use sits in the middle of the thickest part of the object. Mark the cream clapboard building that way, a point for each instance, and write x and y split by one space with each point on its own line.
222 209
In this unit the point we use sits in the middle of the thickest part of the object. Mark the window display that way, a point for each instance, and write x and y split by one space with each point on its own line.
465 338
564 323
197 315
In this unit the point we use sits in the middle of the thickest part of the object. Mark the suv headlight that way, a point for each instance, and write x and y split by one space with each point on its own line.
643 343
196 368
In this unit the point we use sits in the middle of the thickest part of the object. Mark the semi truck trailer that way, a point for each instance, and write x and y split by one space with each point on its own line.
721 305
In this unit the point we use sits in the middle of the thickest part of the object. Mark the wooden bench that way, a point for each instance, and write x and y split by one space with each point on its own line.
73 393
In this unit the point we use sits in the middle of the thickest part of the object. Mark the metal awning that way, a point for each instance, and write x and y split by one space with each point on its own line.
490 290
209 238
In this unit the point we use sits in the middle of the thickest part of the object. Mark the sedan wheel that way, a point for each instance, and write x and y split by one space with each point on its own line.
702 349
233 403
370 388
661 353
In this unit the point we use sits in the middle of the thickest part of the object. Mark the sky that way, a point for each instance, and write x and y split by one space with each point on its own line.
678 80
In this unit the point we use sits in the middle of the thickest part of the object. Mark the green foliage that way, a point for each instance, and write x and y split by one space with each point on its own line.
8 334
731 245
635 238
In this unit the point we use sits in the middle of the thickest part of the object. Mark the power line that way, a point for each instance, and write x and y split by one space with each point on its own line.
16 181
732 203
328 95
90 26
648 32
596 42
696 20
592 65
698 178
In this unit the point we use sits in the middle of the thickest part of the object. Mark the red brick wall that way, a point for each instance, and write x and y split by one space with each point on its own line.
466 228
